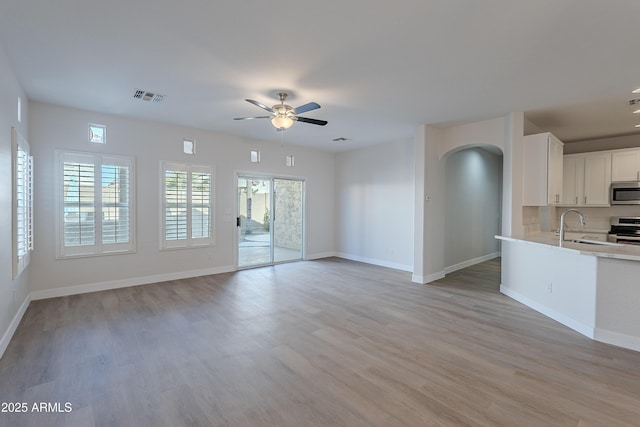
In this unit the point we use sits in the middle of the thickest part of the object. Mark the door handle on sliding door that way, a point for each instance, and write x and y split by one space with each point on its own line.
238 221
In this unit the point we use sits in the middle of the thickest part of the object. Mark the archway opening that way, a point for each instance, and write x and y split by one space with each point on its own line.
473 203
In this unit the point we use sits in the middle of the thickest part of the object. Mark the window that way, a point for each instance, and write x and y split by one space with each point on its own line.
97 134
22 202
290 160
187 207
255 156
189 146
95 209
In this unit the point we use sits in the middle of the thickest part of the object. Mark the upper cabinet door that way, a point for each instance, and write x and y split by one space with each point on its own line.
555 164
586 179
542 170
572 179
625 166
597 179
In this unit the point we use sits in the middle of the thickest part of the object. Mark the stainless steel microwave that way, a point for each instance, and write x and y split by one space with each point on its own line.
625 193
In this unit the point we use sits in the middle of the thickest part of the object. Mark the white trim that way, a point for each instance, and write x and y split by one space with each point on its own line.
470 262
125 283
602 335
374 261
428 278
319 255
6 338
616 338
586 330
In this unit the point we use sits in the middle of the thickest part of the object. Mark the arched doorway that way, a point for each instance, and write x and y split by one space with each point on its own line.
473 205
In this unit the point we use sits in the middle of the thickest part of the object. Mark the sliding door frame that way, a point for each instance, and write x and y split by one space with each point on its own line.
271 177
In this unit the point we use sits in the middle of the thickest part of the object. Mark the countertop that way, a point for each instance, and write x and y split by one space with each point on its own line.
624 252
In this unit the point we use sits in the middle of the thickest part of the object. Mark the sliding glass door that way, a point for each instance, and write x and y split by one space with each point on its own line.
287 219
270 220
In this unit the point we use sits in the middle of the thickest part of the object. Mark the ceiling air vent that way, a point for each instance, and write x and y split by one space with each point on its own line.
340 139
634 101
148 96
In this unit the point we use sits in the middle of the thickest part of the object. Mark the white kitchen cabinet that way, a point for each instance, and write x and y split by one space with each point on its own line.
572 179
625 165
586 179
542 170
597 179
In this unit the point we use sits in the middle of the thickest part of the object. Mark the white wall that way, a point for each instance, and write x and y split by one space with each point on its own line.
560 283
374 205
618 293
432 146
55 127
487 132
473 190
13 293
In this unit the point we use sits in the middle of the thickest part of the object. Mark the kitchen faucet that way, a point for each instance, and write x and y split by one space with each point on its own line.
582 222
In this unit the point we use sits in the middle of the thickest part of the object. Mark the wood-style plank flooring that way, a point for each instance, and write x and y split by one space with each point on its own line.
316 343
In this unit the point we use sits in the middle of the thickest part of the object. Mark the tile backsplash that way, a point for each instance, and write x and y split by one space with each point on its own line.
531 219
547 218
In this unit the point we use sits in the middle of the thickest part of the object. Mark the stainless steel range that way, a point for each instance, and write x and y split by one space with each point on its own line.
625 229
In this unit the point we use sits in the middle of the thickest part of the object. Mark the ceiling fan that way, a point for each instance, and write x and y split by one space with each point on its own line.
283 115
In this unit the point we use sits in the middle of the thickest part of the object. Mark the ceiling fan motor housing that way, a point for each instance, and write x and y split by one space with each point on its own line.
283 110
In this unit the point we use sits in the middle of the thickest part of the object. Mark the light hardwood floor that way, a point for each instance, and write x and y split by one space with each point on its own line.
315 343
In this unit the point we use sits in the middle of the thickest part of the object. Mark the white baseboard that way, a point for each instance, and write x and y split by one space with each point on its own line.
470 262
621 340
585 330
319 255
4 342
427 279
124 283
373 261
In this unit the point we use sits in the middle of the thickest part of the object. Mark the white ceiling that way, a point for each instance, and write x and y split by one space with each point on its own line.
378 68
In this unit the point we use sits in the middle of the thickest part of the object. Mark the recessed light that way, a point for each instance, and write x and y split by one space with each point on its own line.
636 112
636 90
638 126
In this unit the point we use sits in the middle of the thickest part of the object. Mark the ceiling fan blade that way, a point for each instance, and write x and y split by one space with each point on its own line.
307 107
260 104
312 121
251 118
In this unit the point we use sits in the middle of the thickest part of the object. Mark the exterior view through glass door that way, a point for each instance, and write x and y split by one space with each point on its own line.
270 220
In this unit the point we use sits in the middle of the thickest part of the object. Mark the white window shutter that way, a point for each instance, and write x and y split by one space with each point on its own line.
96 209
22 202
187 205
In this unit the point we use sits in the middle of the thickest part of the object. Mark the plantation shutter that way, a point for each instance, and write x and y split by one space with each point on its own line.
22 202
97 211
186 205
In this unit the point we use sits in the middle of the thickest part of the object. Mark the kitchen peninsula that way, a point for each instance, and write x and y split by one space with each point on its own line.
593 289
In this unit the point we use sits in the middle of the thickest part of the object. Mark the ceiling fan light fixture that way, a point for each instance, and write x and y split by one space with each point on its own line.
282 122
283 115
